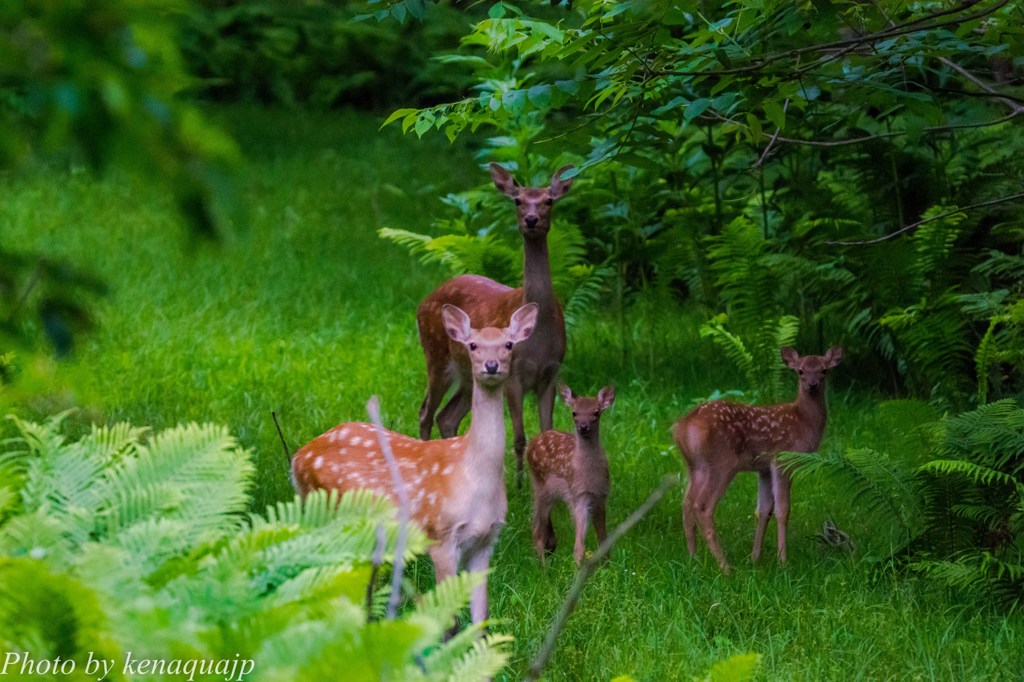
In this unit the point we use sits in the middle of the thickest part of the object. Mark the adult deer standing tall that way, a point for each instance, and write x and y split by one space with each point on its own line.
536 361
455 487
720 439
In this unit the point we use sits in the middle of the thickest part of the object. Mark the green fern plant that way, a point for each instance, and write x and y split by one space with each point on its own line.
129 541
957 517
999 357
496 253
877 485
757 355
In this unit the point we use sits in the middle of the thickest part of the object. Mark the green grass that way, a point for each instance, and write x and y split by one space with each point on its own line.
306 312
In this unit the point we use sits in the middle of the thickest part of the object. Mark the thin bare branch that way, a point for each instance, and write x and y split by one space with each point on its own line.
907 228
775 136
280 433
899 133
587 569
839 48
1014 106
373 409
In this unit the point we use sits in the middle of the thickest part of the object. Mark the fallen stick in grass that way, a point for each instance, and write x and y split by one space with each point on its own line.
587 569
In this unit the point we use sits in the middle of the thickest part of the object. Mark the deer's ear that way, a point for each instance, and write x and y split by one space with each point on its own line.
566 393
504 181
456 323
833 356
559 186
790 357
606 398
522 322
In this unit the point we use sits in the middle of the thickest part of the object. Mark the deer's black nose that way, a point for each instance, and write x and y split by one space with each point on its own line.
531 221
584 429
491 366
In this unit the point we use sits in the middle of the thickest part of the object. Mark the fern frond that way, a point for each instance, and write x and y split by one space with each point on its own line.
1001 265
485 658
446 600
589 282
323 583
193 472
37 535
461 253
933 243
933 335
778 333
56 477
977 473
945 532
869 479
113 442
992 435
983 575
733 346
323 507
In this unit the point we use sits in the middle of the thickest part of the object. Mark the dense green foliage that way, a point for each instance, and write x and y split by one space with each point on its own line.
123 546
310 313
953 498
316 54
734 150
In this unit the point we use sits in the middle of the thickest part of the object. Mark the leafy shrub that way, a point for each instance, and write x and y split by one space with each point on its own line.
959 514
823 128
318 54
125 541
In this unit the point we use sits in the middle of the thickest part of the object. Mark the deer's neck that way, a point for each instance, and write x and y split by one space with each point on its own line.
537 287
812 409
589 446
485 440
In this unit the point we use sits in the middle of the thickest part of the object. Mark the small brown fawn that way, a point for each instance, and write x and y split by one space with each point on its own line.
720 439
535 363
455 486
572 468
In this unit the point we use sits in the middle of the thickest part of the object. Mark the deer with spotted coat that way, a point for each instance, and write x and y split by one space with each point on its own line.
455 487
572 468
719 439
536 361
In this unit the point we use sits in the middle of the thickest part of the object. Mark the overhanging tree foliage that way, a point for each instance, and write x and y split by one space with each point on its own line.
874 148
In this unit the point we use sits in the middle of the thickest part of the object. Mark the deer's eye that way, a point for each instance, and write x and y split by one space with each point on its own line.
801 372
509 345
574 414
597 413
519 202
824 371
549 202
472 346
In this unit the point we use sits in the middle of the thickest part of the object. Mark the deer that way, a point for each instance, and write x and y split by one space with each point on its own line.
719 439
535 362
455 487
572 468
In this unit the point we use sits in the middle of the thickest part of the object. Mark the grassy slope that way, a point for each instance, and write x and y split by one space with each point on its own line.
308 313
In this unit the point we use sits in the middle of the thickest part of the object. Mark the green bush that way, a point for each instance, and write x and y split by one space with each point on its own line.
318 54
125 545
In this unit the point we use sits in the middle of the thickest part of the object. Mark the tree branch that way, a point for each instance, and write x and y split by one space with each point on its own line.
898 133
839 48
586 570
373 409
907 228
